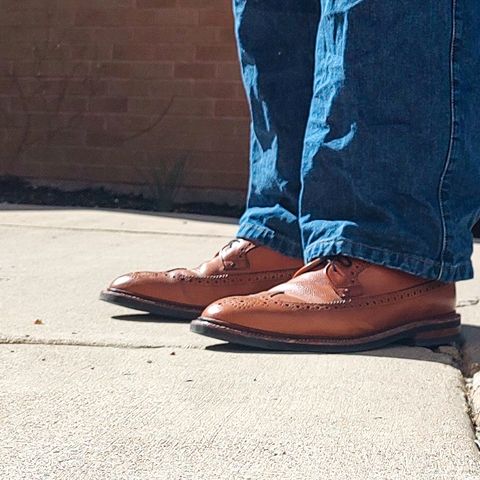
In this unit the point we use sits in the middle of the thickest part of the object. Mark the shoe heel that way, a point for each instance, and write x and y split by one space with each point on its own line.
430 338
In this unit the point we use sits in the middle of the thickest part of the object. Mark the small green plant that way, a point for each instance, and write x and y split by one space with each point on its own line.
163 183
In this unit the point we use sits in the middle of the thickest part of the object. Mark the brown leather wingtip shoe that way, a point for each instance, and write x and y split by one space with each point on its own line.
240 268
337 305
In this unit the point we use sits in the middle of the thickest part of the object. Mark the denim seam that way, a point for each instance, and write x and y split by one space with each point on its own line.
382 250
461 270
451 140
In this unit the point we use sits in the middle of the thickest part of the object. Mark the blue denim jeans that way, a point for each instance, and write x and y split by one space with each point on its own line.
365 137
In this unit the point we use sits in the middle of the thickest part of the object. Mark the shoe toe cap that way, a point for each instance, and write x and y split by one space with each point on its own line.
157 286
122 282
136 283
239 310
215 310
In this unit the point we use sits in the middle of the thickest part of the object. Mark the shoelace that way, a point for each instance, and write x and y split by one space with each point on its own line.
323 262
345 261
228 263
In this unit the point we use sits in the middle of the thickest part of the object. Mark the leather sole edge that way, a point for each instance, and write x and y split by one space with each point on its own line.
163 309
423 333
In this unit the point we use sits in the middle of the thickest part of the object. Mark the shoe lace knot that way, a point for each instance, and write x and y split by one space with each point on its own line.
322 262
223 253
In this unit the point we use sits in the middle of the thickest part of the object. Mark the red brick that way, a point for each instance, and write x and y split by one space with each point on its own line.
127 158
196 178
144 79
240 92
198 128
176 53
83 155
231 108
95 17
51 68
8 86
216 53
25 17
117 35
103 139
27 35
129 88
97 52
113 70
195 70
215 18
153 106
66 137
14 4
224 5
130 123
225 35
155 3
214 89
89 86
74 36
228 71
6 69
105 17
147 70
87 121
174 34
41 103
42 170
220 161
9 51
169 88
176 17
134 52
53 120
192 107
4 105
108 104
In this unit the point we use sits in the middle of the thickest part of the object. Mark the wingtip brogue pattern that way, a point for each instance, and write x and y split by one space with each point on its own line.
338 304
240 268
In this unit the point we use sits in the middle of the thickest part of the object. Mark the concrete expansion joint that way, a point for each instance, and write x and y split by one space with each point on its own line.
471 302
470 390
468 369
455 354
114 230
71 343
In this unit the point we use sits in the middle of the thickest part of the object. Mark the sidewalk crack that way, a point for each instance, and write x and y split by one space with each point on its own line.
468 371
468 303
82 343
115 230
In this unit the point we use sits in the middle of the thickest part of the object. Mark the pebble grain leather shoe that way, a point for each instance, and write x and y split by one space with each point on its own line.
239 268
337 304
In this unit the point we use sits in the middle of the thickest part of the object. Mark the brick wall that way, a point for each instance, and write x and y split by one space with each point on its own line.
118 92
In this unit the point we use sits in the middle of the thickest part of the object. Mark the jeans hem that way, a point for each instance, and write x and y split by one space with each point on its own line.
415 265
270 238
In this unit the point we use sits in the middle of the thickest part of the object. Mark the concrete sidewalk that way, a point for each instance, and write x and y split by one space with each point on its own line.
93 391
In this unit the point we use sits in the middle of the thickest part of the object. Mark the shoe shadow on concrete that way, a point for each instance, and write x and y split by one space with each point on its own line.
393 351
462 354
148 318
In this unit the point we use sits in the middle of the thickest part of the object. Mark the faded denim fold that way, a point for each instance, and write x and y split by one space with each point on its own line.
365 137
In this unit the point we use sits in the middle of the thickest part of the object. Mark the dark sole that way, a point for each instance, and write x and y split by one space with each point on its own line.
163 309
426 333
